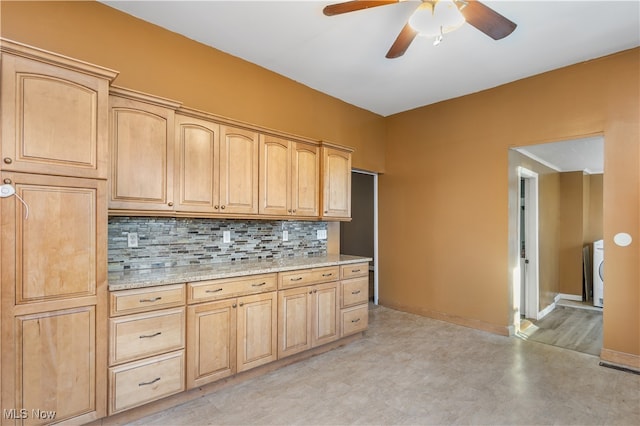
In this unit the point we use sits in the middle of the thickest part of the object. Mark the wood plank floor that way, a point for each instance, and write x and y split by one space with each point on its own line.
570 328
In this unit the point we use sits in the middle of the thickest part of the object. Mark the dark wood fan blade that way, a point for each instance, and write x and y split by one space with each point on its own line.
487 20
402 42
352 6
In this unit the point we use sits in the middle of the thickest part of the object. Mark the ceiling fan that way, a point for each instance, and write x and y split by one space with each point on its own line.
435 18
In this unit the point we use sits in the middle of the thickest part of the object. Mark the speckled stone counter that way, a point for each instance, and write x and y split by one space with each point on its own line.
163 276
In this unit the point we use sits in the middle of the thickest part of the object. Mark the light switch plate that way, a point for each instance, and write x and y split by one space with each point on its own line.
322 234
285 235
132 239
226 236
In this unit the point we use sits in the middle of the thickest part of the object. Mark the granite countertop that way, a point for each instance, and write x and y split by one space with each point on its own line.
180 274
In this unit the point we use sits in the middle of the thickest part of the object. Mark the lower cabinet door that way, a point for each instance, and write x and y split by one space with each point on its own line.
325 322
294 324
257 330
211 342
139 382
56 366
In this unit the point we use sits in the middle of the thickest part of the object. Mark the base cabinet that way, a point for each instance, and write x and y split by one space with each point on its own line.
354 298
230 336
307 317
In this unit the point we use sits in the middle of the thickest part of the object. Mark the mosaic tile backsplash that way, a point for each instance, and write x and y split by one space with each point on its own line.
167 242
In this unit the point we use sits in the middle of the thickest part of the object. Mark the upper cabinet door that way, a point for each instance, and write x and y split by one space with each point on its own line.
54 119
239 152
336 181
275 176
197 157
305 180
142 143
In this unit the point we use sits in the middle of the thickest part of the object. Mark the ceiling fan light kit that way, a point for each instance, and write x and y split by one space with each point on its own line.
434 18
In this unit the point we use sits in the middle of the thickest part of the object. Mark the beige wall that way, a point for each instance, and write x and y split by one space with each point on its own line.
594 207
571 232
444 221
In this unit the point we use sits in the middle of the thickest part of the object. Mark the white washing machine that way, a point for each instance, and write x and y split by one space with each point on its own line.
598 277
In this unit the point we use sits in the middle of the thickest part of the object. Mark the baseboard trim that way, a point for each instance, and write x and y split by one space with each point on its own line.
621 359
546 311
454 319
575 297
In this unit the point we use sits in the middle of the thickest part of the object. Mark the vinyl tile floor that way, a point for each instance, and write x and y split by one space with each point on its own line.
412 370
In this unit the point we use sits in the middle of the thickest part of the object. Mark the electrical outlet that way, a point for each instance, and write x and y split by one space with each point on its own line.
322 234
132 239
285 235
226 236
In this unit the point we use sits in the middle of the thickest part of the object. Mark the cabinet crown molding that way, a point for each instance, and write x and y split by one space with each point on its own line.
20 49
144 97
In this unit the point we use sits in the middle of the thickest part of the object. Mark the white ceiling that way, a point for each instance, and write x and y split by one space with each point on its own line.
344 56
585 155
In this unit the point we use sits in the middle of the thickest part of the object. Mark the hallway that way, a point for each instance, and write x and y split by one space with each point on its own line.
412 370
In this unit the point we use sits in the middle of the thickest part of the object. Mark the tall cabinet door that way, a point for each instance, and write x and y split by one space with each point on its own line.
305 180
275 176
54 119
325 316
197 155
54 289
56 357
141 155
239 153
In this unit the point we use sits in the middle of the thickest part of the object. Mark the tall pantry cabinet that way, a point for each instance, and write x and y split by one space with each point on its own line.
53 268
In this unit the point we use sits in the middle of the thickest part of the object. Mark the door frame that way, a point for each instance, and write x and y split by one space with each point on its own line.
375 231
532 296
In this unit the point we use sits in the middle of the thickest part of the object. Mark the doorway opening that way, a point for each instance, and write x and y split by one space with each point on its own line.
360 236
528 283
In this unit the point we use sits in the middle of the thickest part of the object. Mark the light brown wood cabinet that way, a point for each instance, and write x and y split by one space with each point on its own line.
54 113
354 298
141 151
229 336
289 177
146 348
217 166
336 183
308 315
53 285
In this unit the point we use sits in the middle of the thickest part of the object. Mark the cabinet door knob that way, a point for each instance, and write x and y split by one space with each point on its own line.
216 207
7 181
234 305
170 203
8 160
241 303
326 211
222 207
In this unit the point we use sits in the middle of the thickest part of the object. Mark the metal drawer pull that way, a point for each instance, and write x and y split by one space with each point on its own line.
355 320
213 291
149 383
155 299
327 275
296 279
355 270
144 336
258 285
355 292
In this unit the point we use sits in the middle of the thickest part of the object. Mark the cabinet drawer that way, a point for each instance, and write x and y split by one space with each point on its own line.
146 299
139 382
354 292
355 319
308 276
354 270
230 287
141 335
